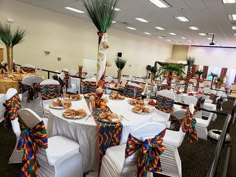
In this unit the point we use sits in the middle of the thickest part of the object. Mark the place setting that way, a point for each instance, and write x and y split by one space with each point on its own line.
60 104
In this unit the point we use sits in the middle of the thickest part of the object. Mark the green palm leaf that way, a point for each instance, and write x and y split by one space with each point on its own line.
101 12
120 63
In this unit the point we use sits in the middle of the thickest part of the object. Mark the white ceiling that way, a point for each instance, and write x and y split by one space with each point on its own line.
210 16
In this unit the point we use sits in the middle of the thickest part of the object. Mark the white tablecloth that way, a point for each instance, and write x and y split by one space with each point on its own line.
85 133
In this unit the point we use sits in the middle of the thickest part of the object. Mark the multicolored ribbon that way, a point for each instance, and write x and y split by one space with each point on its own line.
149 153
50 91
31 140
12 106
164 104
188 125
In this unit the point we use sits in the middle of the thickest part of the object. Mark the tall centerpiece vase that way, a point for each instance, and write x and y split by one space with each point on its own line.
80 71
119 75
9 59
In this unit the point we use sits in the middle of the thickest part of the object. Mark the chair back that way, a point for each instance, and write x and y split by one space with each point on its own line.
50 89
166 93
29 117
10 93
190 100
30 80
133 90
143 132
28 68
87 86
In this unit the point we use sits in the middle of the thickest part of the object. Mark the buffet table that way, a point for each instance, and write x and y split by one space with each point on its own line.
84 131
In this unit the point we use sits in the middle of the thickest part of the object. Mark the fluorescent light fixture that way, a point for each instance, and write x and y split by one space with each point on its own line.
141 20
131 28
169 40
113 22
235 34
202 34
160 3
233 27
209 38
161 37
182 19
117 9
232 17
173 34
147 33
190 41
193 28
74 10
159 28
229 1
183 37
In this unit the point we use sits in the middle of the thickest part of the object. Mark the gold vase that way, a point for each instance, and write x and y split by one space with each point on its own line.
9 59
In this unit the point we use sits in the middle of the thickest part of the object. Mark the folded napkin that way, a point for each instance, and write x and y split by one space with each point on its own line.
151 102
178 92
190 94
199 92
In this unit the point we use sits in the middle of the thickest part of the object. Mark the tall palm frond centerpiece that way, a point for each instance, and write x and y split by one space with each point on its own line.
102 13
170 70
190 62
10 39
120 64
199 73
213 76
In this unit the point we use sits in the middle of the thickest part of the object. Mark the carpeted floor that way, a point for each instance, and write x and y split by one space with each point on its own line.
196 158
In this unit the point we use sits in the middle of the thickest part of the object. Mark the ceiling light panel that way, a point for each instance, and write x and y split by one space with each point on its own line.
202 34
117 9
147 33
233 27
182 19
141 20
193 28
229 1
131 28
183 37
173 34
113 22
159 28
160 3
232 17
74 10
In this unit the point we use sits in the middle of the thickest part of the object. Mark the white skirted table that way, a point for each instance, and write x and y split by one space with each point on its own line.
84 131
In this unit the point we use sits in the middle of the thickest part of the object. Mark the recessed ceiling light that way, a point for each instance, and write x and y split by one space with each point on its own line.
161 37
159 28
147 33
117 9
232 17
182 19
209 38
113 21
229 1
183 37
193 28
173 34
160 3
202 34
190 41
235 34
169 40
141 20
74 10
131 28
233 27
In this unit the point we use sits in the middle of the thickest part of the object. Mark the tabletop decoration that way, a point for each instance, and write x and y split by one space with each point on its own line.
149 153
199 74
102 13
164 104
31 140
96 99
190 62
120 64
10 39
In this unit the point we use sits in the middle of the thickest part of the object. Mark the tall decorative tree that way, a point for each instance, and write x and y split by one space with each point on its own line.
199 73
170 70
10 39
190 62
102 13
213 75
120 64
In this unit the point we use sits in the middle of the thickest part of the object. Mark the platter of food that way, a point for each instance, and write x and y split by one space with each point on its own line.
72 97
109 117
136 102
74 113
116 96
142 109
60 104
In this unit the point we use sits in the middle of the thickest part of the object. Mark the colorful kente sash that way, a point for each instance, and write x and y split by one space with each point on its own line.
188 125
149 152
27 70
109 134
132 91
164 104
88 87
33 91
50 91
12 106
31 140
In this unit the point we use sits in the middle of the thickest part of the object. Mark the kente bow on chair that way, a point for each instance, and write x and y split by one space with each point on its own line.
149 152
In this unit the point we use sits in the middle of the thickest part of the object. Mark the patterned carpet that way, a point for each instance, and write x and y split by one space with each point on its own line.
196 158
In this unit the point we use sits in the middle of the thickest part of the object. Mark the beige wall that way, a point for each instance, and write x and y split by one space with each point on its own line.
180 52
73 40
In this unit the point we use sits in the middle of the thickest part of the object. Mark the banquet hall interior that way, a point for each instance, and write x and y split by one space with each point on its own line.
117 88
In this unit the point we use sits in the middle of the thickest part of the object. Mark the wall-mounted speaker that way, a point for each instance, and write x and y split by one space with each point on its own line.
119 54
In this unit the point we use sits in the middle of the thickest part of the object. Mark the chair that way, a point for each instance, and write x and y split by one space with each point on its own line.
163 110
50 89
27 68
115 164
62 157
16 156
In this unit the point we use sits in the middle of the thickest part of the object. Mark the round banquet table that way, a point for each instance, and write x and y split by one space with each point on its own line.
84 130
